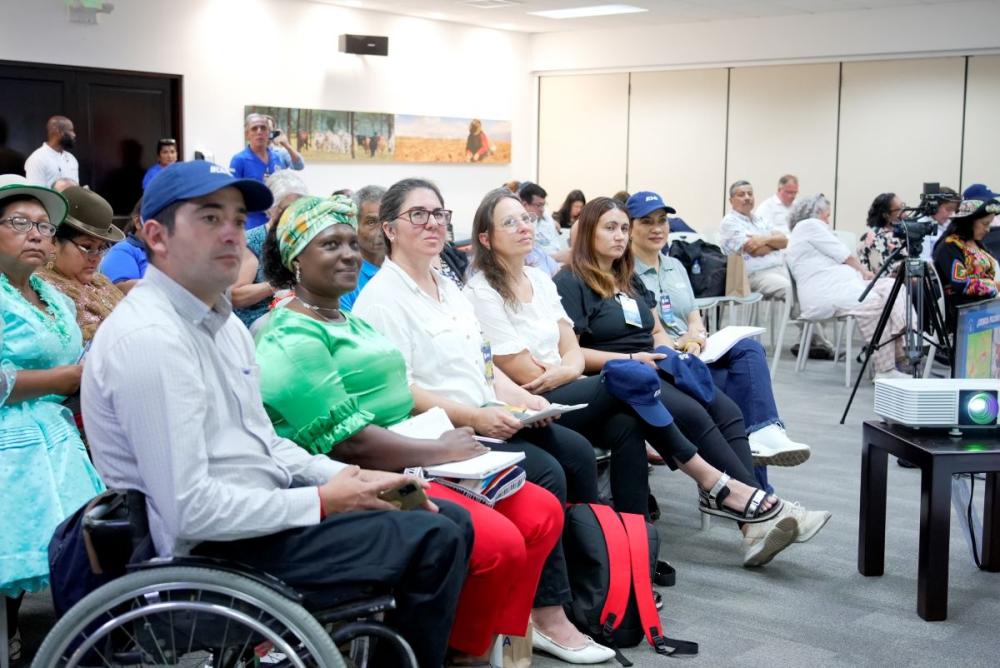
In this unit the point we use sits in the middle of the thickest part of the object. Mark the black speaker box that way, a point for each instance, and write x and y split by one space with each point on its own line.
365 45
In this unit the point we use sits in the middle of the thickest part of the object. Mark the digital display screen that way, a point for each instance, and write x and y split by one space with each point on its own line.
977 340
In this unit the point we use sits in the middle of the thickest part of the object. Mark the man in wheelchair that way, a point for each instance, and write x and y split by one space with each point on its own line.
172 409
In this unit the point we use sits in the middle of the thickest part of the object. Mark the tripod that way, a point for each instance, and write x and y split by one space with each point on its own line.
917 282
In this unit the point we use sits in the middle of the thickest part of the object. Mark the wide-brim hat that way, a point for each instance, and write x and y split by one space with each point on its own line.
55 205
91 214
974 209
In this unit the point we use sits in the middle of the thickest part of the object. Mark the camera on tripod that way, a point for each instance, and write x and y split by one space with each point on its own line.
917 222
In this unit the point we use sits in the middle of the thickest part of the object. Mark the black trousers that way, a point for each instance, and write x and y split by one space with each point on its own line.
421 556
562 462
717 430
610 424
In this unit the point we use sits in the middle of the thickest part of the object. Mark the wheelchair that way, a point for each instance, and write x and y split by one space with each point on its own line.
195 612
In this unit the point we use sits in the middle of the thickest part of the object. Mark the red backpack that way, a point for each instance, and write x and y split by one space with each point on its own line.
612 557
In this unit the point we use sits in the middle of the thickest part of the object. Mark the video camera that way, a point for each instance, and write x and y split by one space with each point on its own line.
916 222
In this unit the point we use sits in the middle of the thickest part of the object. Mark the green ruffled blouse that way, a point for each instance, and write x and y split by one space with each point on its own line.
324 382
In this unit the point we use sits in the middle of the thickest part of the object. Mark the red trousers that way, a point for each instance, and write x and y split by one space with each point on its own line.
512 542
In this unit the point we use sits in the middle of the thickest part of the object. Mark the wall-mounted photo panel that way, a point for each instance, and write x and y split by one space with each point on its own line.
323 135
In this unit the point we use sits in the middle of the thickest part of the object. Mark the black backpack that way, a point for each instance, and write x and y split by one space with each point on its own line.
705 264
612 558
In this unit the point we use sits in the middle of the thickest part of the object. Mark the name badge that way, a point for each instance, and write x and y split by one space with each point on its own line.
487 351
631 310
666 310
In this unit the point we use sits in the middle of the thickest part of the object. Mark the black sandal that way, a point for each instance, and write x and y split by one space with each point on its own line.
710 503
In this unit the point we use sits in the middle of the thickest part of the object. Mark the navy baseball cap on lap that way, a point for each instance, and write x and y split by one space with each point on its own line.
689 373
638 385
187 180
644 203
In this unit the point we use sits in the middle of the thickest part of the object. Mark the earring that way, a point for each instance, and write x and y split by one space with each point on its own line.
298 274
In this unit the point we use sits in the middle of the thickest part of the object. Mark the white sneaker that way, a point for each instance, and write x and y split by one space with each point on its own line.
771 446
810 521
765 540
891 373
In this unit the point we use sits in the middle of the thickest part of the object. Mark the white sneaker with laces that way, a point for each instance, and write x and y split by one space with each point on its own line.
765 540
771 446
810 521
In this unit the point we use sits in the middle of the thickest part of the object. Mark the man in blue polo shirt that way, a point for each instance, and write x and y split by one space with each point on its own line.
257 160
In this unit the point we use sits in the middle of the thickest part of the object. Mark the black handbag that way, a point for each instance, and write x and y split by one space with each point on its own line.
705 264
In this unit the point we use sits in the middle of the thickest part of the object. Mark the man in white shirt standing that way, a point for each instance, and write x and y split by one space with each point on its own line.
761 244
775 209
173 409
52 160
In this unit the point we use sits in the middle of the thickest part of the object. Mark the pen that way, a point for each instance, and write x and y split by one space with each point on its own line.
487 439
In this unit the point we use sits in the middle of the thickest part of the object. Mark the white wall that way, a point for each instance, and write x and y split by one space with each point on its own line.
284 53
895 29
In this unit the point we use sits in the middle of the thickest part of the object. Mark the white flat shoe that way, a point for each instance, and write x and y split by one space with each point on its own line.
592 652
763 542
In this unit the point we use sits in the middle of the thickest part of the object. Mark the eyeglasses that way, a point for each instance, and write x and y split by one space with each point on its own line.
511 223
100 251
24 225
420 217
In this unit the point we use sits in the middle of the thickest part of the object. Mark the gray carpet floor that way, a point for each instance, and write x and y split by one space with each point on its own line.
810 606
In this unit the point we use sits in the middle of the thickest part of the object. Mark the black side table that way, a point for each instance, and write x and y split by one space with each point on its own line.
938 456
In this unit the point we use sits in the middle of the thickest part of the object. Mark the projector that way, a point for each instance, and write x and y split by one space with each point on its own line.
952 403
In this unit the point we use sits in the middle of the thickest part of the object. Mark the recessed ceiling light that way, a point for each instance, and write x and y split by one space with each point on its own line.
592 10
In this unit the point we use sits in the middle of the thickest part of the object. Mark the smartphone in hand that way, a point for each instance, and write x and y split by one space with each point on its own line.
409 496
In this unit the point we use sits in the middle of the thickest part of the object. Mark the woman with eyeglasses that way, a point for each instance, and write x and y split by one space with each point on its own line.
449 364
45 473
879 243
81 241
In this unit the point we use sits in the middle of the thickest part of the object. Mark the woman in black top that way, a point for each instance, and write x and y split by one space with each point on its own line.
613 316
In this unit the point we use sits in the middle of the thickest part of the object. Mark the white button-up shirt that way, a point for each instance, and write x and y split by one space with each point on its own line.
440 339
734 232
775 213
46 165
172 408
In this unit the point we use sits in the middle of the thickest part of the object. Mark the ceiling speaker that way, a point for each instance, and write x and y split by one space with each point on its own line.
365 45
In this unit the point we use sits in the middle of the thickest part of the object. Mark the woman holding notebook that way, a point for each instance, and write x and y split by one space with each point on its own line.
331 383
543 342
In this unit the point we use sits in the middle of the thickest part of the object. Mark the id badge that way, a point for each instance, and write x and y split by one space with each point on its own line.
631 310
666 310
487 351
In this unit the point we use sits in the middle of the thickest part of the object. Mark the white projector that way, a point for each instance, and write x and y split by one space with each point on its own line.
965 403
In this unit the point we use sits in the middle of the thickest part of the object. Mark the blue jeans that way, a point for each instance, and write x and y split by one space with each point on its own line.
743 376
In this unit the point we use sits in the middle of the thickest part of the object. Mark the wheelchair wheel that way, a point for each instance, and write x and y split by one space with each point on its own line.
187 617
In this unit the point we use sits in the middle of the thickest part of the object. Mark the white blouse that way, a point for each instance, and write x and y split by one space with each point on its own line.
534 326
440 340
825 285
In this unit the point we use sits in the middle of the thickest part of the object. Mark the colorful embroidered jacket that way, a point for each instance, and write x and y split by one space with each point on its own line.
967 271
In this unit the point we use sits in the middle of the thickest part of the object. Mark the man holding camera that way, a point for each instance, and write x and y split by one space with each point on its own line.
259 160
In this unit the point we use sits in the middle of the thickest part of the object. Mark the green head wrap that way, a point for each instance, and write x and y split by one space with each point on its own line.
306 218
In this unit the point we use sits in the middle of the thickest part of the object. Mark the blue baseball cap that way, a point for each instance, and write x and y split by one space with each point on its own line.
980 192
690 374
186 180
638 385
644 203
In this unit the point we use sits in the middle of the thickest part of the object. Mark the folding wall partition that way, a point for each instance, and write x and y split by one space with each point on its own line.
850 130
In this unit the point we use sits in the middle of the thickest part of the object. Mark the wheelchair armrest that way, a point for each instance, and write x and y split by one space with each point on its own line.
211 563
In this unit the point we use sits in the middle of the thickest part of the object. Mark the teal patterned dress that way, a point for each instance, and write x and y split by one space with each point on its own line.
45 472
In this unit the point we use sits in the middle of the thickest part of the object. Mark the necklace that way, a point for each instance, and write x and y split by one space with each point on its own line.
336 317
